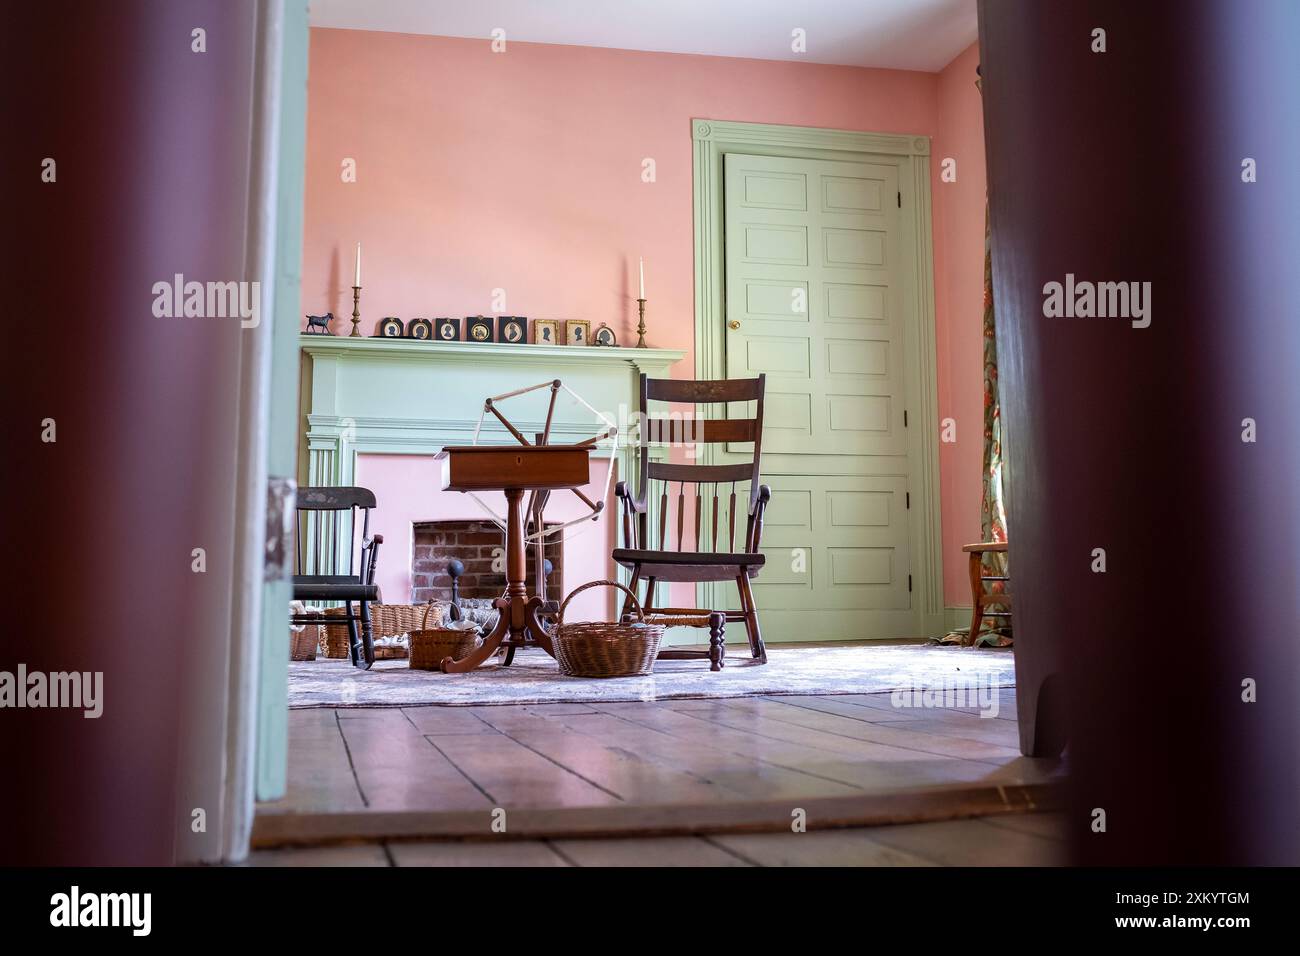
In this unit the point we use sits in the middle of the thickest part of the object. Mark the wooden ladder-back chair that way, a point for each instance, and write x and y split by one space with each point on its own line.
328 537
707 550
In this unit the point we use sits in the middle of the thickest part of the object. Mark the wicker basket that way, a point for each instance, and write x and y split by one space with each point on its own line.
303 639
393 620
334 638
386 620
429 645
606 650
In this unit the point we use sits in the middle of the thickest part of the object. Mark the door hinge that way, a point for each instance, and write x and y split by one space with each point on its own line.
909 498
900 200
905 418
909 584
281 498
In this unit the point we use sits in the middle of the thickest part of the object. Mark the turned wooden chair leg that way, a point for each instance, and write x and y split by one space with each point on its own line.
747 605
627 601
648 604
367 636
717 640
977 594
354 638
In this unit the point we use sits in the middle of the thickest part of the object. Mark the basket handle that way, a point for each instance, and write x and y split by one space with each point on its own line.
424 623
640 615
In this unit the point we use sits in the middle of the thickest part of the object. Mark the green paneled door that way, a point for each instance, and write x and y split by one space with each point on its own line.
813 298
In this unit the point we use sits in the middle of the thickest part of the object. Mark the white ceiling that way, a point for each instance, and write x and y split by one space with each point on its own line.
895 34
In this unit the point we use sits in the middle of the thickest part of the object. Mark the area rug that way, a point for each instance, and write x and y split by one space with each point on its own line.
534 678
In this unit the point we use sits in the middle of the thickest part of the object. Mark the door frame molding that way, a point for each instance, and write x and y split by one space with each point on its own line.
712 140
283 164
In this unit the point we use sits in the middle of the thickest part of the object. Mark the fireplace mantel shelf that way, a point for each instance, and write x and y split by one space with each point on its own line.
341 345
405 396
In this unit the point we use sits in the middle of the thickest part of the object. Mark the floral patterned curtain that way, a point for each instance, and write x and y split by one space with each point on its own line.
993 514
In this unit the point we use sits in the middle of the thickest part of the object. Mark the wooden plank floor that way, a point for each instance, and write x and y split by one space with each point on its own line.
1021 840
688 752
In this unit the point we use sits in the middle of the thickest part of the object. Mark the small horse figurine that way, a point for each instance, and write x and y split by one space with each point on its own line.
321 322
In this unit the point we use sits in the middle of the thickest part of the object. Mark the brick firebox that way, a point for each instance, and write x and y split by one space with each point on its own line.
477 544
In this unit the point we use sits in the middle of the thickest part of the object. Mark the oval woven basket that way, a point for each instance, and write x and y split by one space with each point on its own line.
429 645
599 649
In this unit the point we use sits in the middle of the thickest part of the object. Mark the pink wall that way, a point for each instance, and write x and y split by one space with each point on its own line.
959 291
522 171
408 489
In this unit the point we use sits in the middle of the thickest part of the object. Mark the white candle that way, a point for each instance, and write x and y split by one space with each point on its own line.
641 263
357 281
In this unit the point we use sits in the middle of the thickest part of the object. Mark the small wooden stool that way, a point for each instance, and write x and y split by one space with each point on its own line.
979 597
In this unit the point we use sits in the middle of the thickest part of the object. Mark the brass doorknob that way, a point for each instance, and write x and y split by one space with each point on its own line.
734 325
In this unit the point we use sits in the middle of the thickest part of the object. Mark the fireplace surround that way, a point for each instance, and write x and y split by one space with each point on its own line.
375 412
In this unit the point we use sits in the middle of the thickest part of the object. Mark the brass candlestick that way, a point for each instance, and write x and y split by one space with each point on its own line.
640 325
356 312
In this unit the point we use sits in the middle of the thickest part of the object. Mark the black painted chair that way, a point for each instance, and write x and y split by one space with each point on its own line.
330 537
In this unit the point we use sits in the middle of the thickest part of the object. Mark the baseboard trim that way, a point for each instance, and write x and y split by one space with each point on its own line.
956 617
272 829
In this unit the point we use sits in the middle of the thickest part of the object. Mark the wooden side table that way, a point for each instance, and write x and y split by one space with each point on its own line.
513 469
979 597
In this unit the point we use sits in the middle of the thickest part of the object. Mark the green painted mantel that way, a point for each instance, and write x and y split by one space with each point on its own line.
407 396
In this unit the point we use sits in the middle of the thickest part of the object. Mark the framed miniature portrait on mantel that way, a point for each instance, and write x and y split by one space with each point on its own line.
546 332
512 329
390 327
446 330
478 328
577 332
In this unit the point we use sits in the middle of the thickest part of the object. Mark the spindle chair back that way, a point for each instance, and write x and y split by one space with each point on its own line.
336 559
691 540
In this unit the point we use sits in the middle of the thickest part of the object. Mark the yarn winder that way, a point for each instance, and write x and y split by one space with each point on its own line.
538 468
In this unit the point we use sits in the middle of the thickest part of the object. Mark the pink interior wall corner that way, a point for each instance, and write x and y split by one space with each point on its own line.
478 172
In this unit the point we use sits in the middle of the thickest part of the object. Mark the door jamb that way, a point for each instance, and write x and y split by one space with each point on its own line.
713 139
